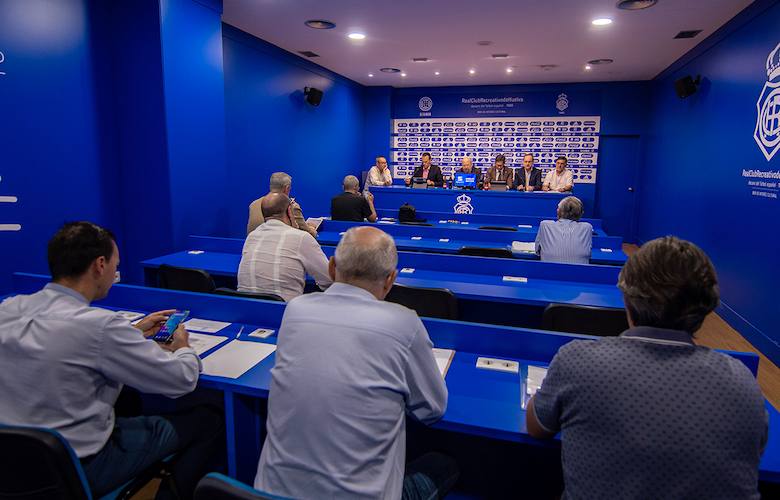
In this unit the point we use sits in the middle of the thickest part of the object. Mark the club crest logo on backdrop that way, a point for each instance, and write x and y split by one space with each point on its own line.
425 104
767 132
464 206
562 103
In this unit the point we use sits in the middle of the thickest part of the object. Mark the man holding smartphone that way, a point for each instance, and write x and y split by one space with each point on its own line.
71 361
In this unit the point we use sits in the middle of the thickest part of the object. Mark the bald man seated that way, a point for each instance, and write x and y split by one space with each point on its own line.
277 257
351 205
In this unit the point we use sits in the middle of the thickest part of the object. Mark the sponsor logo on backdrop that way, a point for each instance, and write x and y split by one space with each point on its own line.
562 103
464 206
767 132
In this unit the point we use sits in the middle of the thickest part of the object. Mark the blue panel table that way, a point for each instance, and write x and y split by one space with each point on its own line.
481 403
543 204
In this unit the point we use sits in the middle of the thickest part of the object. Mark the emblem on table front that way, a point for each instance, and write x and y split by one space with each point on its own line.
562 103
464 206
767 132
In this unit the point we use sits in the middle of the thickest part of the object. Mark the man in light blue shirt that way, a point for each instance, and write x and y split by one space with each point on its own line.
565 240
349 368
66 363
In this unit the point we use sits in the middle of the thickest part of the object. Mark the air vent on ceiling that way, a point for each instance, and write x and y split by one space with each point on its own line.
499 56
420 59
308 53
484 43
687 34
596 62
548 67
635 4
389 70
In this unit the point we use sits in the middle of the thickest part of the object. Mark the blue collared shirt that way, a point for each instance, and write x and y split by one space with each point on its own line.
64 363
348 369
651 415
564 240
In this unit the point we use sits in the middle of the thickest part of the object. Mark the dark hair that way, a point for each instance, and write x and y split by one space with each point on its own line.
528 154
669 283
75 246
562 158
500 158
427 154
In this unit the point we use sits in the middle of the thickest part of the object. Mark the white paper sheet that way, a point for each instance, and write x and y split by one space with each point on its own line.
443 358
518 279
130 315
608 250
535 378
202 342
526 226
523 246
235 358
261 333
205 325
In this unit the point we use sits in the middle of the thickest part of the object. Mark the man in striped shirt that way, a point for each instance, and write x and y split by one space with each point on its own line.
565 240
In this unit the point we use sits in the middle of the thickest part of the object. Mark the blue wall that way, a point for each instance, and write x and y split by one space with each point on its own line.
270 127
55 153
691 181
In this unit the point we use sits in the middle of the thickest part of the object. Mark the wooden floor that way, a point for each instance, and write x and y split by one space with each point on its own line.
717 334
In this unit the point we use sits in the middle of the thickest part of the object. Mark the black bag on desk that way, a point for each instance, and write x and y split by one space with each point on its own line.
407 213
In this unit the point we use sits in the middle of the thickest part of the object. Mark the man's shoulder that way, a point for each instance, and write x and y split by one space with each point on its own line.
257 202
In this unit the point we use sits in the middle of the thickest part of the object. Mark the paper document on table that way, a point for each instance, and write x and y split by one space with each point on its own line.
385 222
130 315
443 359
523 246
202 342
205 325
314 222
608 250
526 226
236 358
535 378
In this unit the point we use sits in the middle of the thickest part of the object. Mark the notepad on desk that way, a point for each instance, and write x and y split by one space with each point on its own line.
443 359
524 246
236 358
202 342
205 325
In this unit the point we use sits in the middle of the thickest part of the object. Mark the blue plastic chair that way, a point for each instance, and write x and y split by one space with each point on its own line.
215 486
38 463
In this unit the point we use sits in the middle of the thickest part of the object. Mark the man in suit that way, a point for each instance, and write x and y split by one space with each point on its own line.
529 178
431 173
280 183
498 172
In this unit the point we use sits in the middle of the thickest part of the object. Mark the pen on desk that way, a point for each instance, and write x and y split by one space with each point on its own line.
239 331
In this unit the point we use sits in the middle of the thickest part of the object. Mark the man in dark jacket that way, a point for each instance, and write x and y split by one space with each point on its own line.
431 173
528 178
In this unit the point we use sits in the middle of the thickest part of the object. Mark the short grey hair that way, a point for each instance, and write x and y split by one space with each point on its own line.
279 182
570 208
358 261
351 183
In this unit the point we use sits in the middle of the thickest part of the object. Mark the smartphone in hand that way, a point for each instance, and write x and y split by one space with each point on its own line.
165 334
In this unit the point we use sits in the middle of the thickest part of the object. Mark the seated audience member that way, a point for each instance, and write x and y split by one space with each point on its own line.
650 414
70 361
498 172
560 179
379 174
528 178
431 173
276 257
280 183
565 240
349 368
351 205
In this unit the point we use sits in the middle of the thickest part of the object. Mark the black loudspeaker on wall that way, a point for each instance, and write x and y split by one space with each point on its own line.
313 96
686 86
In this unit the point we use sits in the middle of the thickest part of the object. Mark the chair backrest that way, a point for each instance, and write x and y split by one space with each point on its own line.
249 295
429 302
185 278
588 320
39 464
215 486
502 253
498 228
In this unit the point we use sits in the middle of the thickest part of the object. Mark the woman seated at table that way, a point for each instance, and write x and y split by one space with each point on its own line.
565 240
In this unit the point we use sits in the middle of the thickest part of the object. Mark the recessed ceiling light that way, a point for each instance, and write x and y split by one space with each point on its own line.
509 70
371 75
596 62
320 24
588 67
403 75
472 71
602 21
356 36
389 70
635 4
436 73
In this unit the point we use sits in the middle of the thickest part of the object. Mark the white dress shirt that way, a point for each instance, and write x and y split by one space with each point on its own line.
64 364
377 178
564 240
349 368
557 181
276 259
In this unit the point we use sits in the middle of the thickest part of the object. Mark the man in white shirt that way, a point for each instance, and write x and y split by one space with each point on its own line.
276 257
349 369
66 363
560 179
379 174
